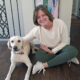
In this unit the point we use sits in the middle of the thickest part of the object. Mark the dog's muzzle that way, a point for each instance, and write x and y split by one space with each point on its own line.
15 48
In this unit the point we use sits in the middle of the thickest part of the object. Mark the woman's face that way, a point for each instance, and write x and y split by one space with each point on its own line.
42 19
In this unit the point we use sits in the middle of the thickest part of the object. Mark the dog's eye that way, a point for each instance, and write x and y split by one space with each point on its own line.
12 41
19 41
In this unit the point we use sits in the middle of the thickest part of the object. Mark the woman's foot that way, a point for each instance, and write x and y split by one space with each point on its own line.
38 67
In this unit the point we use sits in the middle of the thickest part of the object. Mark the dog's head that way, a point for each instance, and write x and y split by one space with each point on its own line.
15 43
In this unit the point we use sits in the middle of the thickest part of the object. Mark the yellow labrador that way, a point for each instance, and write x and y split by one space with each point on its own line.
19 53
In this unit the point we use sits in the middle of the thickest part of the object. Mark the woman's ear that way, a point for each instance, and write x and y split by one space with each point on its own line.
9 44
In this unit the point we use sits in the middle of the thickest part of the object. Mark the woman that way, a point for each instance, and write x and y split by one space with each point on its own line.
54 39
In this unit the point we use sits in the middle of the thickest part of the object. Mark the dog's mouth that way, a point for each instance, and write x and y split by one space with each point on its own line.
15 49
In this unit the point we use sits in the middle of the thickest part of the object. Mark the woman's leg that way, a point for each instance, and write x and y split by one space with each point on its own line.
50 60
66 54
43 56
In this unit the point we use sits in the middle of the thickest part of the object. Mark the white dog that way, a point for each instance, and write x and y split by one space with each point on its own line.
19 53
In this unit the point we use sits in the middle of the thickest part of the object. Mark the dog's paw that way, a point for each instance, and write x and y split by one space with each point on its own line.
7 78
26 78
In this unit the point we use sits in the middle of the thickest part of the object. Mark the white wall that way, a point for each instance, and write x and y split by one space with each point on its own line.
65 11
27 10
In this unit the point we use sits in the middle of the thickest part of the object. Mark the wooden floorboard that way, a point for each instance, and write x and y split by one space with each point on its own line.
61 72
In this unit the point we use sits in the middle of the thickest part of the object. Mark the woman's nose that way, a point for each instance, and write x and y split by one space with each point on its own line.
41 18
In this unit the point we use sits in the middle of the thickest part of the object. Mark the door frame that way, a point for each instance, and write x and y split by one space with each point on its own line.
14 17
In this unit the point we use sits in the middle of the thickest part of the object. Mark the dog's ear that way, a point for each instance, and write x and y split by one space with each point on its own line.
9 45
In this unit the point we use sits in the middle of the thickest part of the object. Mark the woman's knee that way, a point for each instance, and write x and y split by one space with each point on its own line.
73 50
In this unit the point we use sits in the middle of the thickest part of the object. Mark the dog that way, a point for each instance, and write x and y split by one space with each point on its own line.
20 50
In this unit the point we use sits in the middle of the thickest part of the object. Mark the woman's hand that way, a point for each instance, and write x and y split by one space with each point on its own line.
45 48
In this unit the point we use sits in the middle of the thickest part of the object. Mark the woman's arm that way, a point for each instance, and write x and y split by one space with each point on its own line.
45 48
32 34
65 38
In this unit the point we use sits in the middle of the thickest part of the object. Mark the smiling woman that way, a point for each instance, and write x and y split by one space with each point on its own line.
43 20
42 17
55 48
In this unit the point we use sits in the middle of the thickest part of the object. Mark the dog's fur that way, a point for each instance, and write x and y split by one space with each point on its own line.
19 53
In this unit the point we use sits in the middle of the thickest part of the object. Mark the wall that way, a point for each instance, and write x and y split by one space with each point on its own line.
27 11
65 11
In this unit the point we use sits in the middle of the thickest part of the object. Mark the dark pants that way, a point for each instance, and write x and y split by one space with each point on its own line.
67 53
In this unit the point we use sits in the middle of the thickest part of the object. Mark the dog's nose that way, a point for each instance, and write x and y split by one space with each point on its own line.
15 48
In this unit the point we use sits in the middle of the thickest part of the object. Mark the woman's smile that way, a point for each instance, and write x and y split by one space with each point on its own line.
42 19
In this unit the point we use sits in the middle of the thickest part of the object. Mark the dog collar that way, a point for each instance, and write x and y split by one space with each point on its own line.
21 53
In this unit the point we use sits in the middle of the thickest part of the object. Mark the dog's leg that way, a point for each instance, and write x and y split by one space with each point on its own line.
10 71
29 64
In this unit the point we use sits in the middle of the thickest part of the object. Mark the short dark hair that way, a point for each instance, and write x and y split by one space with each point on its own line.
45 10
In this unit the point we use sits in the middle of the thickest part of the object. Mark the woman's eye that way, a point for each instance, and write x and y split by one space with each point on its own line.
19 41
43 15
38 17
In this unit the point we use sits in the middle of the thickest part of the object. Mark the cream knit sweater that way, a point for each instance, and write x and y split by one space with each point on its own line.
56 38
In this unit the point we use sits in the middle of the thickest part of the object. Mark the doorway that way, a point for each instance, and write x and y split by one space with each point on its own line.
10 19
75 21
75 25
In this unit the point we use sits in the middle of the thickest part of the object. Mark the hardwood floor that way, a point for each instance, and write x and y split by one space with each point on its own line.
75 21
61 72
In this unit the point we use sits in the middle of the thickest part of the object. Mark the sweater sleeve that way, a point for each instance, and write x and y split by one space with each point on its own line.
32 34
65 38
